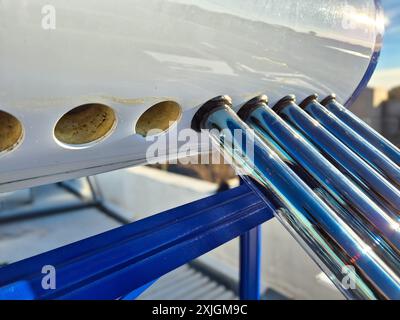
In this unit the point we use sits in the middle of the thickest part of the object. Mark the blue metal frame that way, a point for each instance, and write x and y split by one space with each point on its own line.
250 265
137 292
119 262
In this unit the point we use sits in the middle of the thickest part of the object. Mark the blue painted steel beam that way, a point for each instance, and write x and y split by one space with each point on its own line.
250 265
137 292
113 264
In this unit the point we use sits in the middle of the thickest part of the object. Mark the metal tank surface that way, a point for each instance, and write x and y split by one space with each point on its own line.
135 65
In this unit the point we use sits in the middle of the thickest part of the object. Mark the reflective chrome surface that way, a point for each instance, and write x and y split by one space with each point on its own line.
325 236
364 216
363 129
353 140
349 163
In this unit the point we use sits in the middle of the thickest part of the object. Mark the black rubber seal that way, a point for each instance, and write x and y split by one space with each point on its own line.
220 102
283 103
246 110
308 100
328 99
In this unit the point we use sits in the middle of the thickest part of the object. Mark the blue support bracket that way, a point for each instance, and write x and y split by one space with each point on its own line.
113 264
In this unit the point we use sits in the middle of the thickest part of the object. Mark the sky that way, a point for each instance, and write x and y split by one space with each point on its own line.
387 74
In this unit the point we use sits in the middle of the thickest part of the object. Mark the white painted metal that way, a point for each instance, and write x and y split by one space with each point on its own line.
131 54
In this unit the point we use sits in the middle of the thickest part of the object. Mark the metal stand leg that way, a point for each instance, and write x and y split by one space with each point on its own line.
250 264
93 200
104 206
95 190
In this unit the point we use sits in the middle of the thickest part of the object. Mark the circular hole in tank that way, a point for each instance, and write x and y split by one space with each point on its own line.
85 124
158 118
11 132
